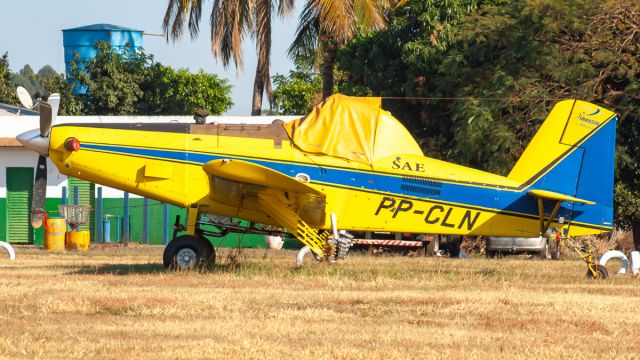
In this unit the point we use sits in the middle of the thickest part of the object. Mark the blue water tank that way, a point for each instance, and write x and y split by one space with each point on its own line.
82 40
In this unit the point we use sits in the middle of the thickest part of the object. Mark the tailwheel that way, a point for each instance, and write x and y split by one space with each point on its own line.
188 252
598 272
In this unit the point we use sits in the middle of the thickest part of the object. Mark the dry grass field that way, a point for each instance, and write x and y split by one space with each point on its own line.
119 303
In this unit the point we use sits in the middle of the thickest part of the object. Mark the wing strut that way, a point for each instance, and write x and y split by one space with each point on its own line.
315 240
541 195
544 226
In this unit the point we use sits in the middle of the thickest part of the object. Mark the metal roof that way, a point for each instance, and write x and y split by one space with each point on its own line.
9 142
10 110
102 27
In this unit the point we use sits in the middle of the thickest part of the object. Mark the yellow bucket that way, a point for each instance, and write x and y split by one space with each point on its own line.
54 237
77 240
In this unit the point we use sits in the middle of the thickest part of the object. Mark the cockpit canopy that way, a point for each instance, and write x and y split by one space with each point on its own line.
353 128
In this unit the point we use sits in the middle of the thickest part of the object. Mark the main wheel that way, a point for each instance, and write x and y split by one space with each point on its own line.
188 252
601 273
490 254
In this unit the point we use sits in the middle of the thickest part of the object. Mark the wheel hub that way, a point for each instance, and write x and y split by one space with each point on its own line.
186 258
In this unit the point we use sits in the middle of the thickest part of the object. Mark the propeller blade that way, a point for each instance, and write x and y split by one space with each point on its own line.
46 118
48 113
54 101
39 193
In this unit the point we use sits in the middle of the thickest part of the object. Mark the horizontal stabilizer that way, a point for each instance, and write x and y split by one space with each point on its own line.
544 194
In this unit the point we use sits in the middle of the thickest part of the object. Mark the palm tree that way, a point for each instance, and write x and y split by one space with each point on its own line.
231 22
326 25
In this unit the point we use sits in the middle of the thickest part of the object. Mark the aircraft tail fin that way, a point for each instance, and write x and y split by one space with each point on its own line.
573 154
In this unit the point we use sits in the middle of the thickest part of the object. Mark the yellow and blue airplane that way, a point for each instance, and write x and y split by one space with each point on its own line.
348 165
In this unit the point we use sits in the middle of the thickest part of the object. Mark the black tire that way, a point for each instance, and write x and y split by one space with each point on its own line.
490 254
601 273
187 252
211 252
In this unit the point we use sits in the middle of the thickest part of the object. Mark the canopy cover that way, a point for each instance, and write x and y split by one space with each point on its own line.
353 128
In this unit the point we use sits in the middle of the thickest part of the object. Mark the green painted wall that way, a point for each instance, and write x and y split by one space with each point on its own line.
115 207
3 219
86 192
19 197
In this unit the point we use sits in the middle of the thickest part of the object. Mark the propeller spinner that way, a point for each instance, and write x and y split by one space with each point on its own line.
38 140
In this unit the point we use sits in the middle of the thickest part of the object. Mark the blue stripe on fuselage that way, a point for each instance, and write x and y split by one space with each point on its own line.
465 194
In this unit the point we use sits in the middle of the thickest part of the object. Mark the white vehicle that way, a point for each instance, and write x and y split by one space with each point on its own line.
543 247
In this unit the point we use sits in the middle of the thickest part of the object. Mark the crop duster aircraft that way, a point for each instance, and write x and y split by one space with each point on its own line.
347 165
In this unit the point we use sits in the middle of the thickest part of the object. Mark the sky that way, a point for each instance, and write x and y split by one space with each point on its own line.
38 41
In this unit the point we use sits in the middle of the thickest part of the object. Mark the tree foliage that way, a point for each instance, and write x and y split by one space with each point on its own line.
325 26
120 82
7 92
128 83
297 92
39 85
172 92
28 79
402 61
515 59
231 21
53 82
524 56
47 72
112 80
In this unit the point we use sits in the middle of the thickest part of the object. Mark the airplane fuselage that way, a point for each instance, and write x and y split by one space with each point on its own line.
405 193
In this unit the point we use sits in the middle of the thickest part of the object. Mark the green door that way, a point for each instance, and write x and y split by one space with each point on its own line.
19 192
86 196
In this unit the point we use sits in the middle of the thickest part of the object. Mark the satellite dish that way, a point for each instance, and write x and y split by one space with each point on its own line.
24 97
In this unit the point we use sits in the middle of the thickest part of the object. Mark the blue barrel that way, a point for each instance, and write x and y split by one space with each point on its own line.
106 230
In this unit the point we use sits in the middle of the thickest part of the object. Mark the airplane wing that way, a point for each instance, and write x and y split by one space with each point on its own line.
293 204
544 194
250 173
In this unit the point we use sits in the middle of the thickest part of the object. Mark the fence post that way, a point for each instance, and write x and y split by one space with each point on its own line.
125 220
145 221
98 228
76 196
118 230
165 217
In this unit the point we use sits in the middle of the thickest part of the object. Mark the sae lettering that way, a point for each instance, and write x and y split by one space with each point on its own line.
398 164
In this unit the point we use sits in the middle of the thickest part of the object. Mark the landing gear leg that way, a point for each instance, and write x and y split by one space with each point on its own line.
341 242
594 270
190 251
434 246
193 214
